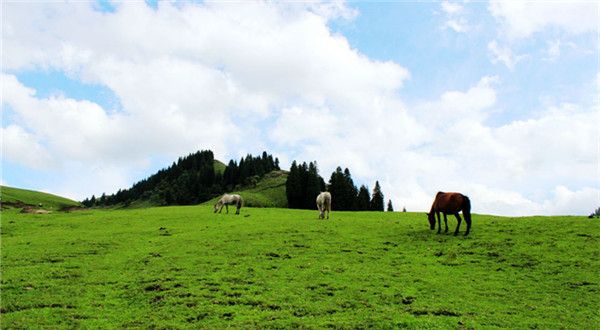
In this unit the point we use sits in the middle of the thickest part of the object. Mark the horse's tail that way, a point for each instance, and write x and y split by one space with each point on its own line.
467 208
240 202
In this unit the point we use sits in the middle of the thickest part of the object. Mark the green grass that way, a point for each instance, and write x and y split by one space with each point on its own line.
30 197
185 267
268 192
219 166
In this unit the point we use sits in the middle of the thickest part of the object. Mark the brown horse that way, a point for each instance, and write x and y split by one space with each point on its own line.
450 203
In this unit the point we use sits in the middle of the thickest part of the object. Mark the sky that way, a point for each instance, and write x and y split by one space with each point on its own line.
497 100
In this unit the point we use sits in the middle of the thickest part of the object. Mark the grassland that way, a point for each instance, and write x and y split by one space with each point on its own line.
22 196
268 192
185 267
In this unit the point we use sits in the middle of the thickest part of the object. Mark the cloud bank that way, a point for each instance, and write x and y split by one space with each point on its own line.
275 77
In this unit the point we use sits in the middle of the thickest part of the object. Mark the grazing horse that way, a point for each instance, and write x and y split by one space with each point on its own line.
450 203
229 200
324 204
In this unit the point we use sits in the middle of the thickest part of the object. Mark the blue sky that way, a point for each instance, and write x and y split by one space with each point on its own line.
497 100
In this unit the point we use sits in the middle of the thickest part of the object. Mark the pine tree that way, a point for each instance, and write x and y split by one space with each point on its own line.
343 190
390 208
351 192
293 187
377 199
313 186
336 188
363 199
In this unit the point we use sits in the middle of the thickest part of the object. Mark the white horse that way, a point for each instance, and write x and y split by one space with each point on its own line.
229 200
324 204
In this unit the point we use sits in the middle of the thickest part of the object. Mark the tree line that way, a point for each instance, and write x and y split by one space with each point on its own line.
191 180
304 184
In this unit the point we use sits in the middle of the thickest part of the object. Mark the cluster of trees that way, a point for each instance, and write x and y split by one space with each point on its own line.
248 170
191 180
304 183
349 198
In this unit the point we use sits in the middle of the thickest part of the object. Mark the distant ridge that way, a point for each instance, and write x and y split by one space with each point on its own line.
192 179
23 198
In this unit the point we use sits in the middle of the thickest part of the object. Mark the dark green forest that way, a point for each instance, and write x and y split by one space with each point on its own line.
191 180
194 179
304 184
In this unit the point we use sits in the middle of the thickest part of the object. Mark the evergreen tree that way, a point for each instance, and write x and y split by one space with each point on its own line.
363 199
313 186
343 190
377 199
390 208
303 185
336 188
293 187
350 191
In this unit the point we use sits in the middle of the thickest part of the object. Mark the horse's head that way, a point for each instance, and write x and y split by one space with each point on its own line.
216 208
431 219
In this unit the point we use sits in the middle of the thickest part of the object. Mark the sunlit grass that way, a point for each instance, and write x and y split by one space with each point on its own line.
177 267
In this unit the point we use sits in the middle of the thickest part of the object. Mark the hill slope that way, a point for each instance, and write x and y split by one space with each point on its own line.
268 191
22 197
190 180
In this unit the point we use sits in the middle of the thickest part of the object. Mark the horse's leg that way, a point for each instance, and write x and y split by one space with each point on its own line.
446 222
220 208
468 221
458 225
439 221
227 208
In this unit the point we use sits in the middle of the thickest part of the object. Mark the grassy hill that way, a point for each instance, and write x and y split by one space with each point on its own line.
186 267
22 197
268 192
219 166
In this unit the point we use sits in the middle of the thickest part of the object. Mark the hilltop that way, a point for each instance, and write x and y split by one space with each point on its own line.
192 179
267 192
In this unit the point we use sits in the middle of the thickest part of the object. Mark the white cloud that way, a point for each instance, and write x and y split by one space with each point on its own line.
273 76
333 9
553 51
187 77
451 8
521 19
504 55
21 147
455 19
458 105
302 125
